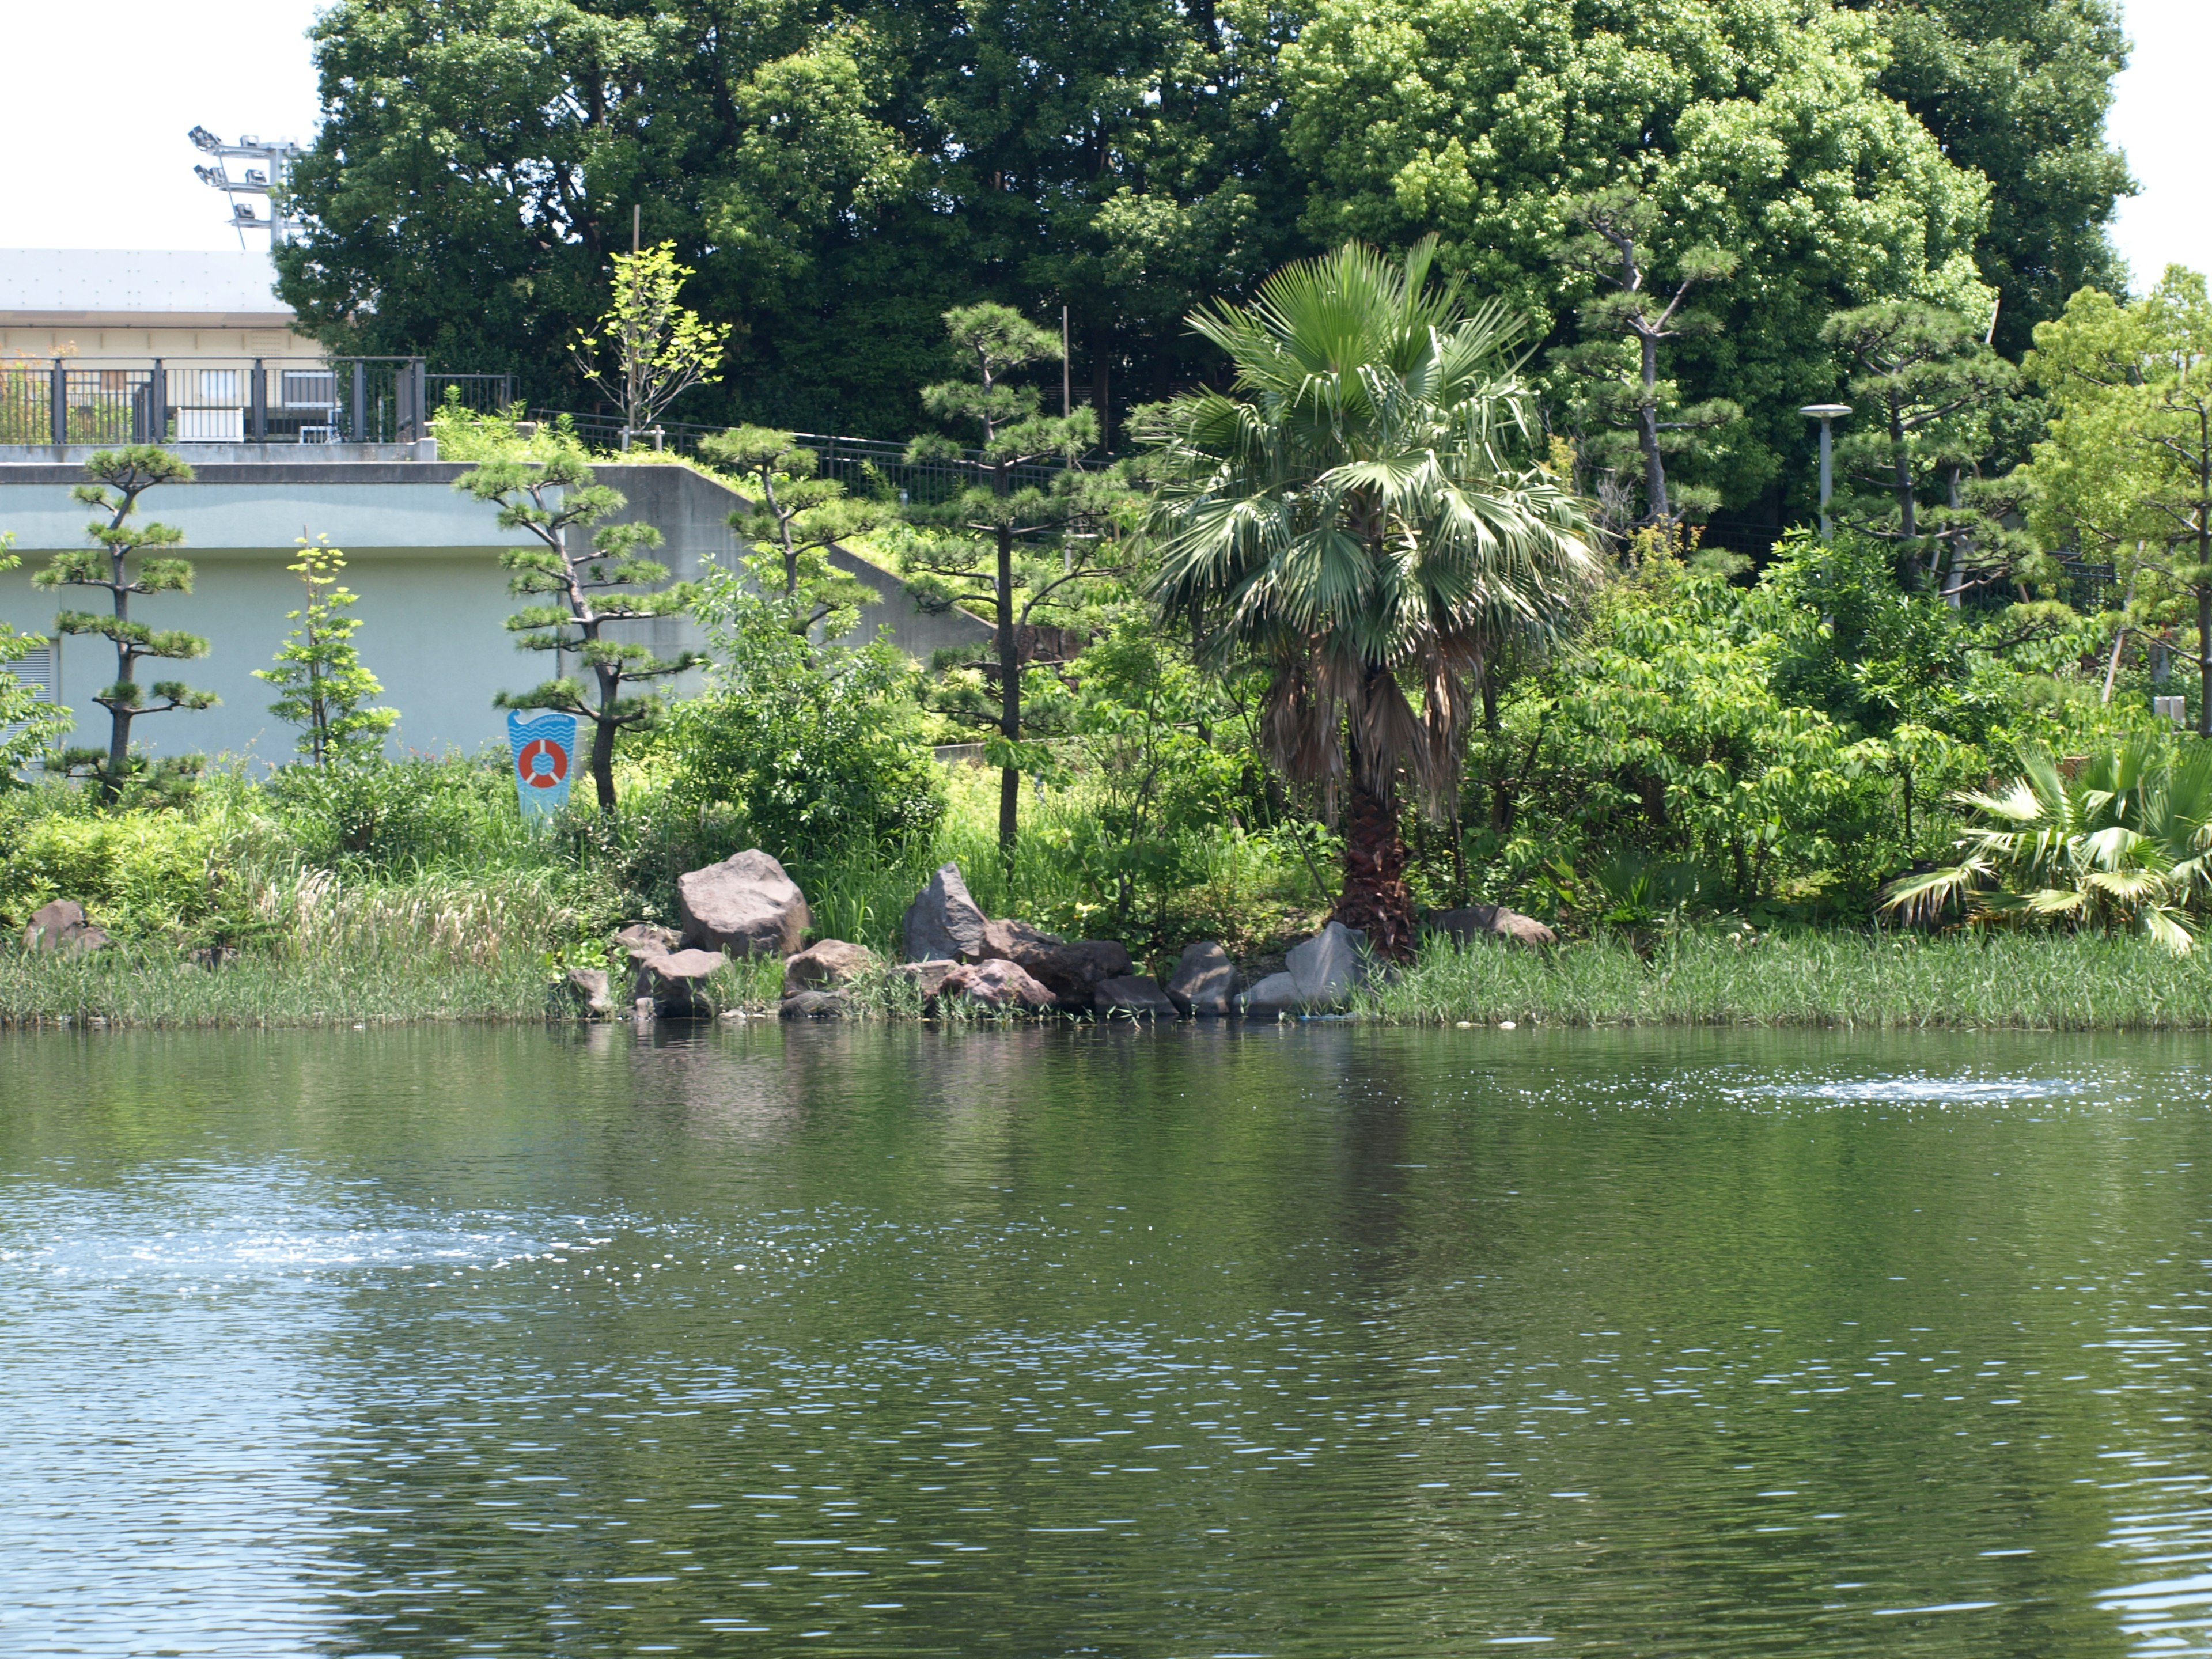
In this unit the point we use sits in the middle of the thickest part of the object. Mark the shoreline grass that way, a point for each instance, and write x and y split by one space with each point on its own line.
1837 981
2046 981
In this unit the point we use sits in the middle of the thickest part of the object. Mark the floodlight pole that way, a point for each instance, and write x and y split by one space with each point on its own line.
1826 413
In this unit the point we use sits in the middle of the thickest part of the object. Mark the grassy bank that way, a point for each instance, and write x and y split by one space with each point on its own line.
2043 982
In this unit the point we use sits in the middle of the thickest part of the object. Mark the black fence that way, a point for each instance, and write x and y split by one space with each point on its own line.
872 467
73 400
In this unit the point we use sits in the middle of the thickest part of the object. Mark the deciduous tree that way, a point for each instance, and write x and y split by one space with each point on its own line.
325 686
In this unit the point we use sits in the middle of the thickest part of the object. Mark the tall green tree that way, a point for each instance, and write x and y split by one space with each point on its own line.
971 541
589 577
324 687
2126 470
126 563
2017 90
1362 515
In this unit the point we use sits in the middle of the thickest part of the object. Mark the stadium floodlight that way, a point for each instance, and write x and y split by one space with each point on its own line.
266 181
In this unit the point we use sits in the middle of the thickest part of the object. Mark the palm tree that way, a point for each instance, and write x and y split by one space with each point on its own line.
2126 842
1360 515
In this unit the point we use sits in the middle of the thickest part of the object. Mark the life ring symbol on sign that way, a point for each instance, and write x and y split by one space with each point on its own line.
543 763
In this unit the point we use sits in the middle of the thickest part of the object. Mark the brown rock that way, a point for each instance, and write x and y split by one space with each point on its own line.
1070 968
830 962
996 983
1133 995
1489 921
676 982
645 939
1204 983
812 1005
745 905
60 926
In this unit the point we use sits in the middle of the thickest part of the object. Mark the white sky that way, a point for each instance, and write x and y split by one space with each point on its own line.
242 67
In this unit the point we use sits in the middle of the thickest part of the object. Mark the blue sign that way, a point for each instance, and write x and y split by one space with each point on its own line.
543 746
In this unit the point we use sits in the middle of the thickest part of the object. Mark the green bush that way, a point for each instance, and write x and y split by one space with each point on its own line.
139 873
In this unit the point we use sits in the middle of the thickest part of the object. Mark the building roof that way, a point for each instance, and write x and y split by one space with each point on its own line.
176 289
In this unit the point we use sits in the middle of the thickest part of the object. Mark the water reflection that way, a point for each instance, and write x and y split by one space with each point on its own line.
1293 1341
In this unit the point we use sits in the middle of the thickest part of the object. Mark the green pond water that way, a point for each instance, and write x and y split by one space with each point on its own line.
1303 1341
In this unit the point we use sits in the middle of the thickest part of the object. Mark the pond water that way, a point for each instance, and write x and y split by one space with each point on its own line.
1312 1340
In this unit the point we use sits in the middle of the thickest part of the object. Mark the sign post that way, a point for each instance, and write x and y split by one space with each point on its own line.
543 746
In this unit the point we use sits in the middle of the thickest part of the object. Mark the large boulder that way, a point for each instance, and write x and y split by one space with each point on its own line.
745 905
1489 921
61 927
1327 967
677 982
1276 994
1204 983
943 923
1070 968
1133 997
995 983
830 962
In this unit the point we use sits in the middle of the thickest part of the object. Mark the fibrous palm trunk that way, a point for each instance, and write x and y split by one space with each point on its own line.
1376 896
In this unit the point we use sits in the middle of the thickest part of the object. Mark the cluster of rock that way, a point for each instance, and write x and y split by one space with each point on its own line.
747 905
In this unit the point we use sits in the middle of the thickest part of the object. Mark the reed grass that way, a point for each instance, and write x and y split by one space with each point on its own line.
2040 981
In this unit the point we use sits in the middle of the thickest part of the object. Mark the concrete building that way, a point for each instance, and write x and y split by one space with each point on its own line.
89 303
423 556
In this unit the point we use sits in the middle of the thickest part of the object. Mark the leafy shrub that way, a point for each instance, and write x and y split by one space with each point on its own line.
398 816
139 873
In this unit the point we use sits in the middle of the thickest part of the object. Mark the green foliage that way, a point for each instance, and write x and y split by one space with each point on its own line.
27 725
466 434
659 349
589 579
812 753
319 670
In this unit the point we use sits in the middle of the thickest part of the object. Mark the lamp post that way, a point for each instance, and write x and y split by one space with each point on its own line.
1825 413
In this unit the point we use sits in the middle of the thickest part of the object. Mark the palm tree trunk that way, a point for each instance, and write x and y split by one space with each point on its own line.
1375 895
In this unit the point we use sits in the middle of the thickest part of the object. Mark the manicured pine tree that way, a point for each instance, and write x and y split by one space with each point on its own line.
972 550
323 683
796 517
124 564
590 575
1629 414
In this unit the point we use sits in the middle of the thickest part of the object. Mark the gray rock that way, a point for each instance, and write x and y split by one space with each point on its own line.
61 927
645 939
676 982
1133 995
1489 921
1204 983
1070 968
996 983
943 923
1327 966
812 1005
587 990
1278 993
745 905
929 976
830 962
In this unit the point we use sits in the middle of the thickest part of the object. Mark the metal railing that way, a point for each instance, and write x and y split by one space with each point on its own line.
185 400
875 467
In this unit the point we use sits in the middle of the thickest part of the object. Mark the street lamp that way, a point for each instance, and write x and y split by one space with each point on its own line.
1825 413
